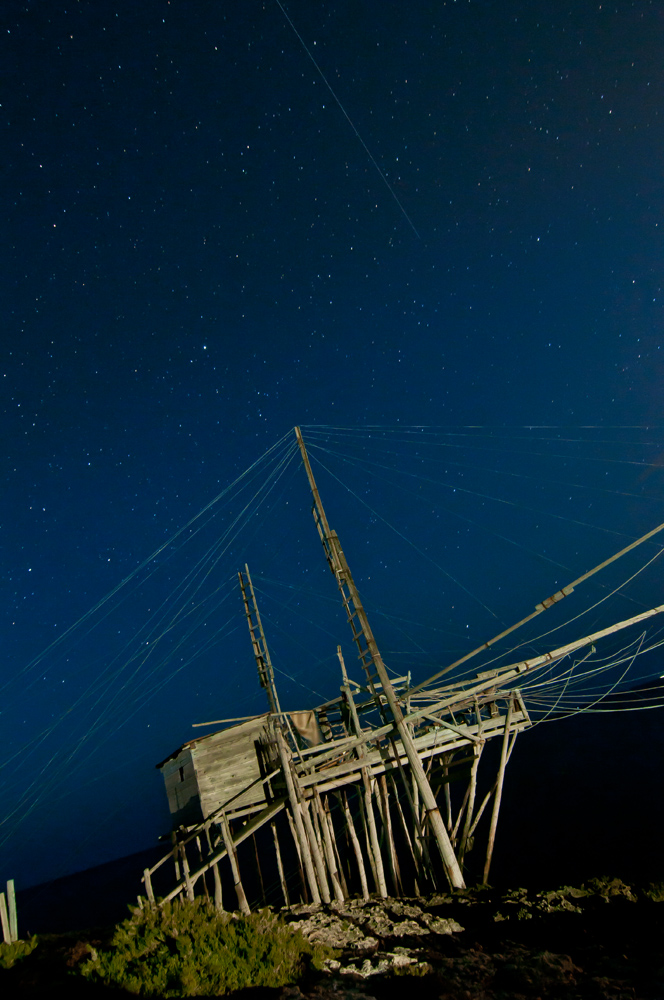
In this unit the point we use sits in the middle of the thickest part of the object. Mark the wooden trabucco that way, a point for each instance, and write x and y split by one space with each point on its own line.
343 793
375 791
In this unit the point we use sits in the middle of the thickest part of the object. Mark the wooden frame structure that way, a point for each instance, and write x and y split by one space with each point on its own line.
362 785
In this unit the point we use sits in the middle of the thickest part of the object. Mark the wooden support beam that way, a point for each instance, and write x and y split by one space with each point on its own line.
327 814
218 898
189 885
472 788
328 849
499 792
487 797
11 906
259 870
374 845
175 854
406 833
391 847
304 897
242 903
4 918
357 850
147 881
316 853
280 866
296 813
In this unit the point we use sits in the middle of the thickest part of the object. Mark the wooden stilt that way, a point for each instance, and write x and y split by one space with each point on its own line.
367 838
218 898
218 901
406 833
499 791
316 853
327 813
242 903
301 839
280 867
147 882
203 878
189 886
448 794
423 863
488 795
391 848
304 898
350 826
374 850
4 918
373 834
11 906
174 842
462 809
258 868
328 849
472 788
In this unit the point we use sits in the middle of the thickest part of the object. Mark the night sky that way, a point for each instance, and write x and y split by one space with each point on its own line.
224 219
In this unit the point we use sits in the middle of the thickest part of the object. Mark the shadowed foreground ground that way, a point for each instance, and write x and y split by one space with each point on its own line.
605 940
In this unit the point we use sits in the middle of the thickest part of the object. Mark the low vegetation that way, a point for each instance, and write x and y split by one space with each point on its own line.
190 949
10 954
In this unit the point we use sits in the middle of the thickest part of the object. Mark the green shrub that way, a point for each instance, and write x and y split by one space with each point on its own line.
12 953
188 948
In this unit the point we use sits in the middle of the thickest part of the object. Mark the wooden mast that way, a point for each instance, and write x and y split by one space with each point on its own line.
370 657
261 651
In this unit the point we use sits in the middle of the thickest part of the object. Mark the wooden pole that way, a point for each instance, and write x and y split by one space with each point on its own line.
387 821
328 848
406 832
357 850
174 842
367 838
218 900
258 867
499 792
11 906
374 850
448 794
147 881
343 575
472 787
4 917
259 643
242 903
327 814
189 886
304 849
280 867
304 896
203 877
316 853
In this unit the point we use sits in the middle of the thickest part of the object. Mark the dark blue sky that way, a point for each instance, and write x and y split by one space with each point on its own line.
199 253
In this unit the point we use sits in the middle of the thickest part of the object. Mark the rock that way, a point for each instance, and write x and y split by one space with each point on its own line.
442 925
331 930
385 962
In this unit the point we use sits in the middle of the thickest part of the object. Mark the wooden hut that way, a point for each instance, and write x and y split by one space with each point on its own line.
216 770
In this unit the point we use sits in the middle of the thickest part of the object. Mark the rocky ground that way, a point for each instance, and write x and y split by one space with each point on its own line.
603 940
